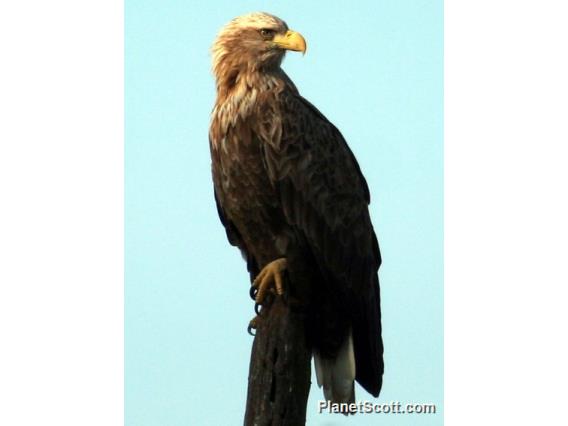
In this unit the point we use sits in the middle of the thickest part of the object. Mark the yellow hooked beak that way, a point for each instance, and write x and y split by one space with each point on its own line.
290 41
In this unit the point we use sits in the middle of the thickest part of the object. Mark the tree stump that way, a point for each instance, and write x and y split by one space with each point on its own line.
279 372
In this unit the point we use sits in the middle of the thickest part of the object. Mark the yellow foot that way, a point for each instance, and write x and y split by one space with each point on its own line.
270 277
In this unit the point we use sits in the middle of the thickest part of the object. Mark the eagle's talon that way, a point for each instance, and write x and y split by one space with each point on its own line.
270 278
252 292
257 307
253 324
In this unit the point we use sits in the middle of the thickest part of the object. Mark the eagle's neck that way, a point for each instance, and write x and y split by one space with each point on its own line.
232 85
239 93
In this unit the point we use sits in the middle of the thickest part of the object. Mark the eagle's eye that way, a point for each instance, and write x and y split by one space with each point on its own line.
267 34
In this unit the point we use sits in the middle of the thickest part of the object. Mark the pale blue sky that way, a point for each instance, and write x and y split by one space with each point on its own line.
374 68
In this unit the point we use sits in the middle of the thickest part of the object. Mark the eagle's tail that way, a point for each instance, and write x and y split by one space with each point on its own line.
337 375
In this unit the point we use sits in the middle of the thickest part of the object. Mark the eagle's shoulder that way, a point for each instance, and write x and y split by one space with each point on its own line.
308 128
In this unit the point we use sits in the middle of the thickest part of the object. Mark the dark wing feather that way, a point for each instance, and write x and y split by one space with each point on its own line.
325 198
235 238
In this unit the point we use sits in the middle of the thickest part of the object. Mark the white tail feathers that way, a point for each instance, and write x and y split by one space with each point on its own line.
337 375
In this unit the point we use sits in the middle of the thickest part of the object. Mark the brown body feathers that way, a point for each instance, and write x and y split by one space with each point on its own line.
287 185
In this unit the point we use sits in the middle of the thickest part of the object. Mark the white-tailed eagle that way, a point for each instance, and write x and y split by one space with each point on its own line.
291 195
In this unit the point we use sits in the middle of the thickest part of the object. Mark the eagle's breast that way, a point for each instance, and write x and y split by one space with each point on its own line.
240 126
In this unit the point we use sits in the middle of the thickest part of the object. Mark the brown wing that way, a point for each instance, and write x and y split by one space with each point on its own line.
233 234
325 199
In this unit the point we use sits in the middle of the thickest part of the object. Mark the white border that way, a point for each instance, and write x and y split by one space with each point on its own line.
61 214
506 132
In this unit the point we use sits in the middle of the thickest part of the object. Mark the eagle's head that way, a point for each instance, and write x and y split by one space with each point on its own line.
252 43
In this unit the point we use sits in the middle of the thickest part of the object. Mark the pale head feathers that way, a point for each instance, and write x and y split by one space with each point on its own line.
240 43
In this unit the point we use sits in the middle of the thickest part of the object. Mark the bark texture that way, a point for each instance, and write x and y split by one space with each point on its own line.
279 373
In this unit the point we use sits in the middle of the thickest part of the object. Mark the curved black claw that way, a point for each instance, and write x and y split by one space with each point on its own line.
249 330
257 307
252 292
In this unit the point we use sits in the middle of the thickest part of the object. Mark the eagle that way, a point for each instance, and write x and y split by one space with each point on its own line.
292 197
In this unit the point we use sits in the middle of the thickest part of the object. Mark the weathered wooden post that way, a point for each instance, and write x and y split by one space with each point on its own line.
279 373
